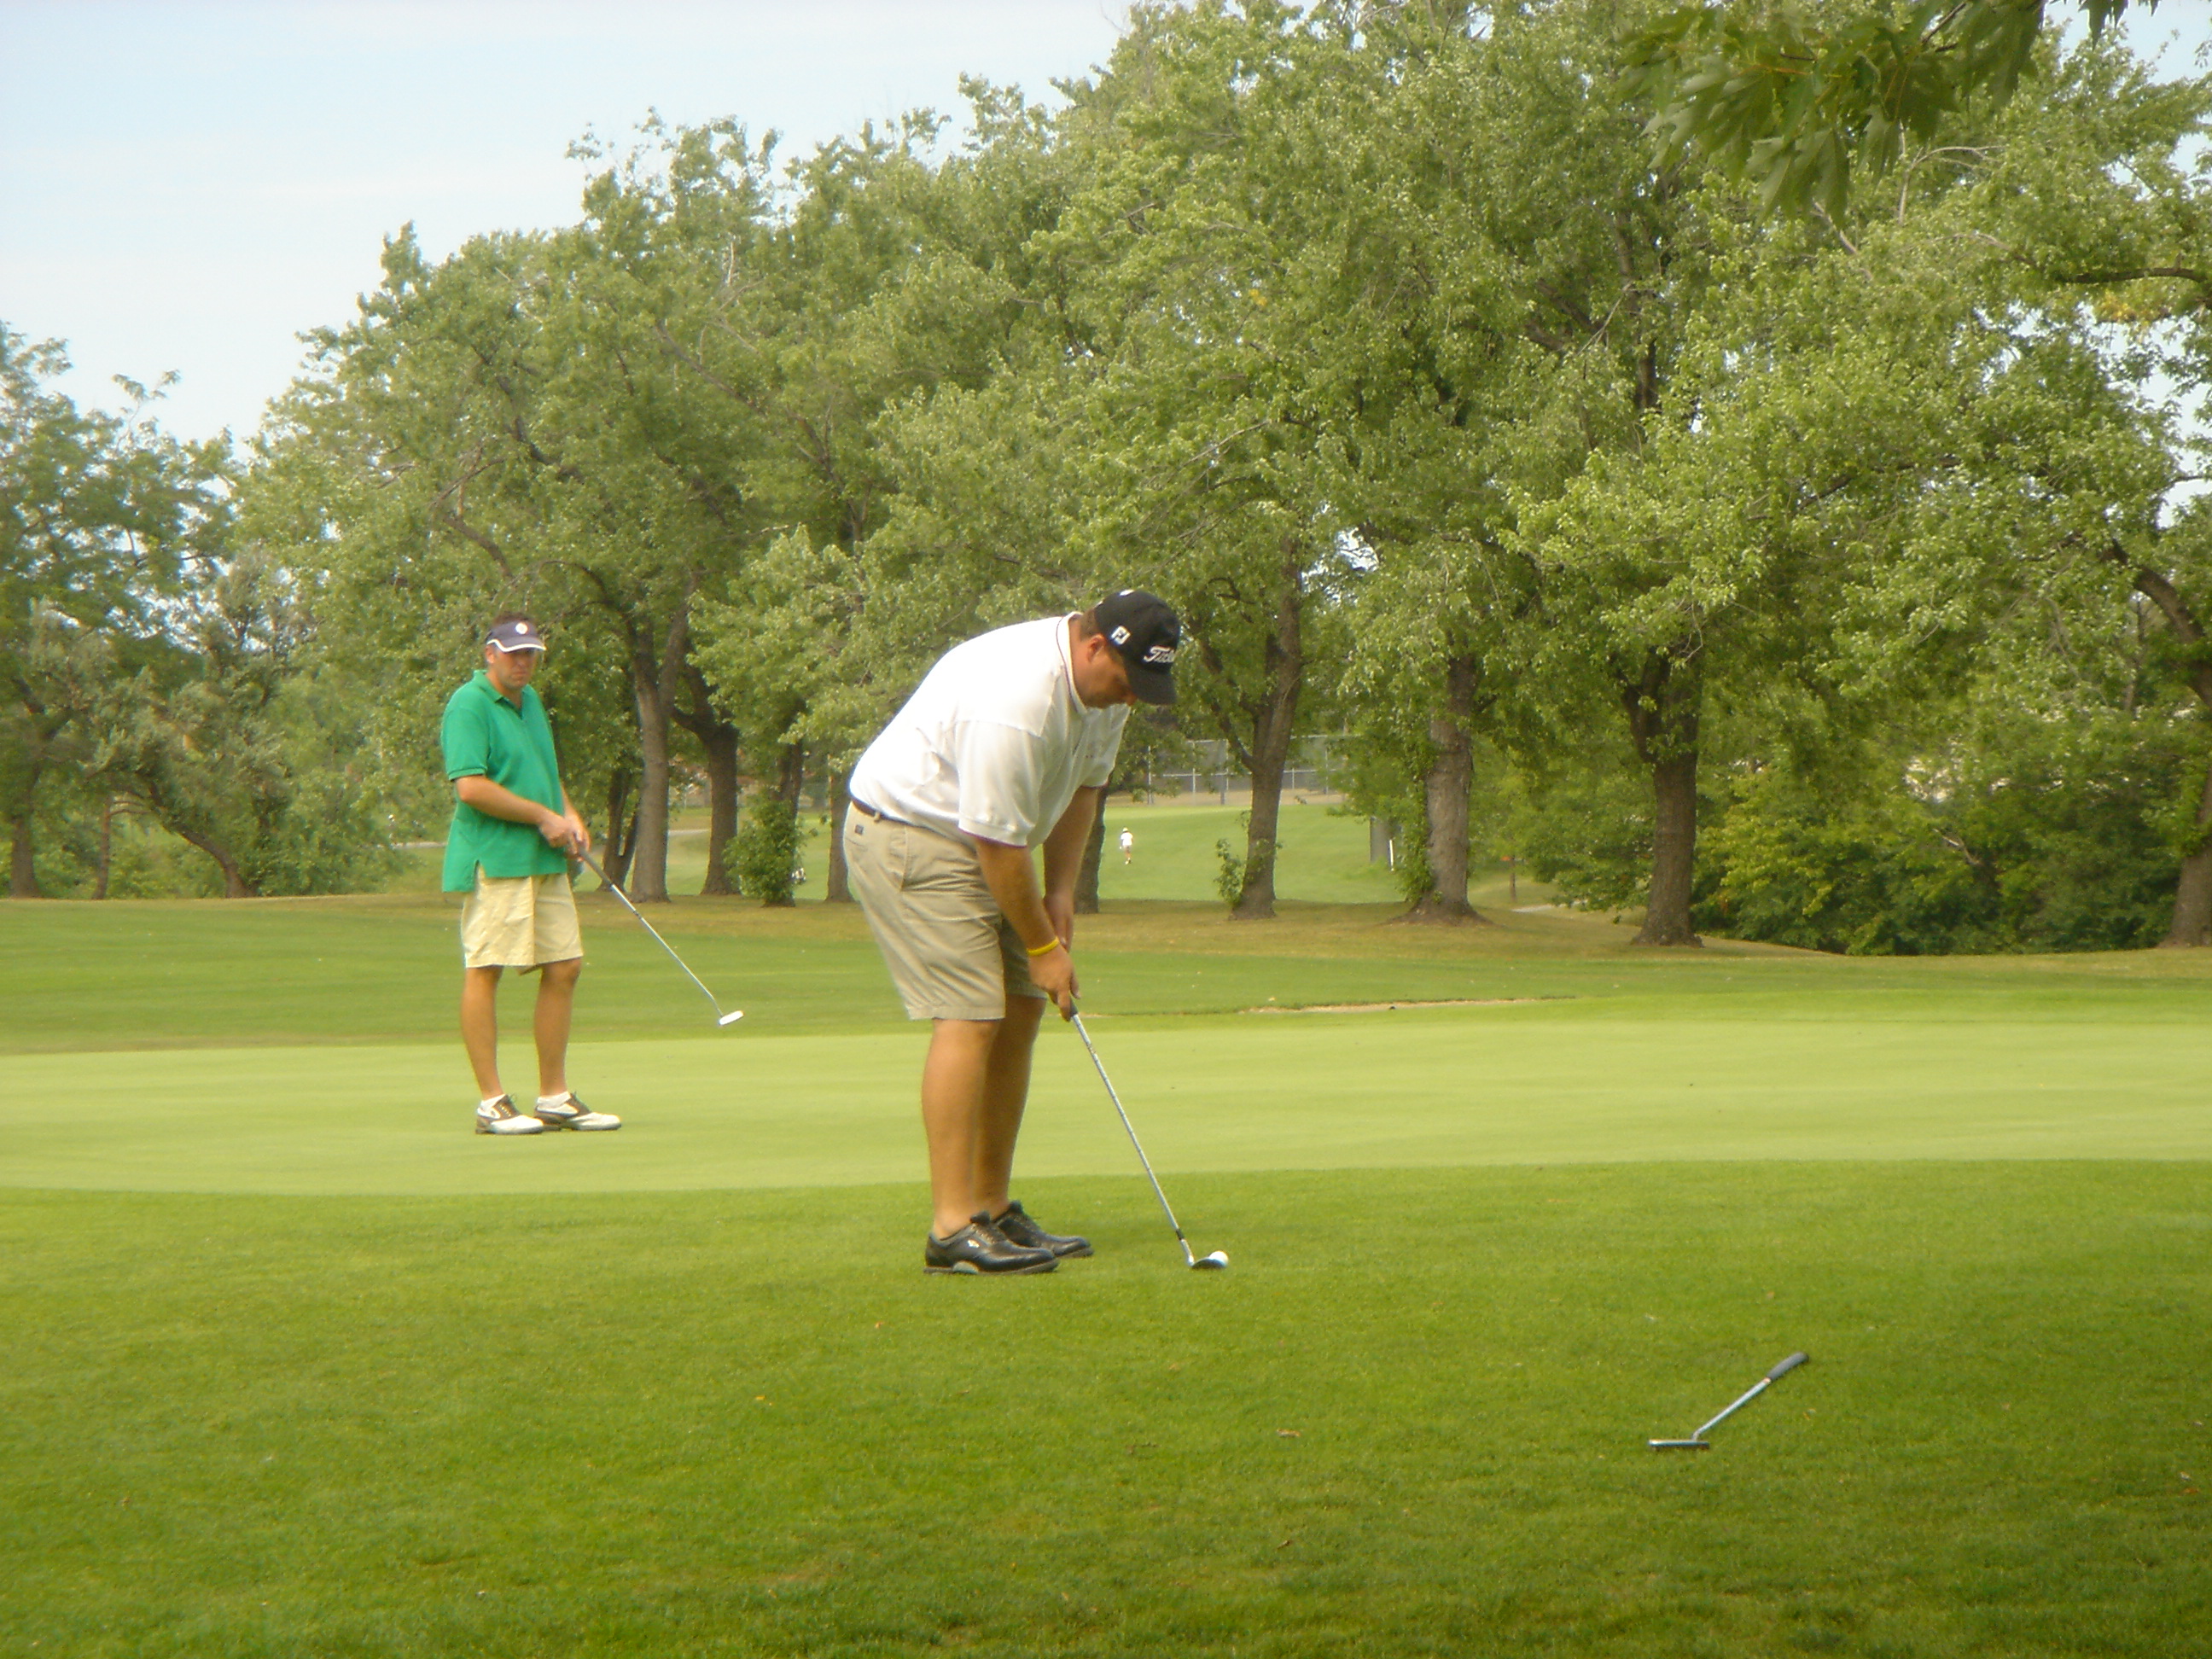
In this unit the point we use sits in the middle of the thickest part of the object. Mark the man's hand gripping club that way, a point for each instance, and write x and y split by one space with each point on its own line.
564 829
1010 874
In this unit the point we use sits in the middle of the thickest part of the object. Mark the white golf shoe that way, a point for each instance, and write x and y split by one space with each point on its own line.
571 1113
498 1117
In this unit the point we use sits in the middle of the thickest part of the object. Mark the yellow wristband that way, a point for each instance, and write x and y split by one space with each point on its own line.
1045 949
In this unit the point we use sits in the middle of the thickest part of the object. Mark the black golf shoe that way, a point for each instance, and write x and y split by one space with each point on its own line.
1020 1229
981 1248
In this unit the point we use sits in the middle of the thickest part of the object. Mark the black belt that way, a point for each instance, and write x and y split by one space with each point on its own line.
859 805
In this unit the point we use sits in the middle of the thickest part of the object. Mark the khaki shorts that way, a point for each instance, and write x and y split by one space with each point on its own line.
520 922
951 955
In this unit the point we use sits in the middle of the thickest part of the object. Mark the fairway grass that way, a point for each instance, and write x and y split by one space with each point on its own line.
298 1365
79 977
1410 1420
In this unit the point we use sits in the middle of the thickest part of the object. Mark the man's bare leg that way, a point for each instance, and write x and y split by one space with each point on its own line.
1005 1094
556 1001
954 1081
480 1027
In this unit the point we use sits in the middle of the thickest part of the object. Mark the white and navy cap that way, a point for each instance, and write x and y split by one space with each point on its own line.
515 634
1143 628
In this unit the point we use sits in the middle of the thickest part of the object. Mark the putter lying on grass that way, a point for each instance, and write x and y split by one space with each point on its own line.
1697 1441
1219 1258
720 1019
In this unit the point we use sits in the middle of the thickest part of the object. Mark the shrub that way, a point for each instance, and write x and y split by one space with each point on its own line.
764 853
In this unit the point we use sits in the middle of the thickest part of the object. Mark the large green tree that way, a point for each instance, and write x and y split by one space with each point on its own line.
522 424
1242 336
100 514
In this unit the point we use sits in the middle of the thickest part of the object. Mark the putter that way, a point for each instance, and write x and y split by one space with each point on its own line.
1219 1258
720 1019
1697 1441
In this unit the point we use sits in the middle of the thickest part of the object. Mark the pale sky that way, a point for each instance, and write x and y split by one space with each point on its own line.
187 185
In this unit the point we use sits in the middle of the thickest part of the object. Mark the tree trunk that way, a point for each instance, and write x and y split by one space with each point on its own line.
628 833
2191 923
648 872
1449 786
1662 708
106 861
718 740
1674 852
614 857
721 743
1270 743
654 685
836 888
234 883
1094 852
2192 898
22 866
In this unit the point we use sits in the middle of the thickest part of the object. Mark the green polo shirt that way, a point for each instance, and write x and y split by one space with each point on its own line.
484 735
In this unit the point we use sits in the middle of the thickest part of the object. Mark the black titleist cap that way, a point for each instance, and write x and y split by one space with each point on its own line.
1143 628
515 634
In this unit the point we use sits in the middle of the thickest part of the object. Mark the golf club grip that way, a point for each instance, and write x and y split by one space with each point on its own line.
1786 1367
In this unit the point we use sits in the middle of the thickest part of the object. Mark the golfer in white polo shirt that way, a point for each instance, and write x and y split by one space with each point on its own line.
1006 747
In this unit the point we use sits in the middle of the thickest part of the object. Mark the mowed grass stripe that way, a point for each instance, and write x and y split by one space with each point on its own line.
1409 1422
1412 1088
131 974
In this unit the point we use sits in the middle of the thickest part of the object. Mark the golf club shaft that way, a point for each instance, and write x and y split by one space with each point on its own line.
1165 1209
1749 1394
592 864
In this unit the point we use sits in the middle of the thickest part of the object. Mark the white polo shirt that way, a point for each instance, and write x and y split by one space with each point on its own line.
995 742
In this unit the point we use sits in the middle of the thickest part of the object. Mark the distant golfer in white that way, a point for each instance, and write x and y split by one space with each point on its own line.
1006 747
1128 845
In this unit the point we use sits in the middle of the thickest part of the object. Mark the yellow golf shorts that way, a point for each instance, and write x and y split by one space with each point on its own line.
520 922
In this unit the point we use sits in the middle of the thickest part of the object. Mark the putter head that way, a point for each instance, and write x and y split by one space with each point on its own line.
1214 1263
730 1019
1681 1445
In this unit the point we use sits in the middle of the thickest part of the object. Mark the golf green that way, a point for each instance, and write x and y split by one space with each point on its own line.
1406 1089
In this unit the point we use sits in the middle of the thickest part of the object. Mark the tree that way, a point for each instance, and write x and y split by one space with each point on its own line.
1216 284
521 425
1871 451
225 738
100 514
903 314
1792 101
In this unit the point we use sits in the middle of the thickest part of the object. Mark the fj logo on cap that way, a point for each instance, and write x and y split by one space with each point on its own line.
1119 637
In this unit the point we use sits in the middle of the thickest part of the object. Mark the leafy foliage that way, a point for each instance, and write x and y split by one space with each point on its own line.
1791 100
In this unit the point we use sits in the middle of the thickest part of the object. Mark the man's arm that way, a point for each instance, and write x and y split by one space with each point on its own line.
562 829
1010 874
1063 859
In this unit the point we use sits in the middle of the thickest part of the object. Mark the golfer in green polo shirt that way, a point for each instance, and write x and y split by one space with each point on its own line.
508 850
